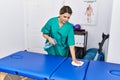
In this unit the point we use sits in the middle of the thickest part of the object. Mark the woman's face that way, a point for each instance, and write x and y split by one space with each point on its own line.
64 17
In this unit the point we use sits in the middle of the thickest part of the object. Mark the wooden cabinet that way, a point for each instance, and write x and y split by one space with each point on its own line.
80 43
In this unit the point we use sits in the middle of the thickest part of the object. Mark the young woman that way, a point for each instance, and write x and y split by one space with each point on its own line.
59 29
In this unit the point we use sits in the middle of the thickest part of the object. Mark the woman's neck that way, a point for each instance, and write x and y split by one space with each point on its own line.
60 22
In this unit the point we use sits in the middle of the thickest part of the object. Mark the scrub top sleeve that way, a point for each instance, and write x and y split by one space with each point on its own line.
71 40
46 28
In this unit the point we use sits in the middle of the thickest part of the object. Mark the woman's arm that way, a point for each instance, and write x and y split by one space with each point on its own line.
72 51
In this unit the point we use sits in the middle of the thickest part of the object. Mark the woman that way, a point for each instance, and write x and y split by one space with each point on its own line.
59 29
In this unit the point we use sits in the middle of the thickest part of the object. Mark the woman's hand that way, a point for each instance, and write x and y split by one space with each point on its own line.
51 40
76 61
72 51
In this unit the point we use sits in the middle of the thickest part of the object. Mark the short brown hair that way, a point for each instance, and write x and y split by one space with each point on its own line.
65 9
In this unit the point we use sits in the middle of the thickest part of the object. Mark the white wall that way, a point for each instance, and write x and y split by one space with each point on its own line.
104 9
11 26
114 41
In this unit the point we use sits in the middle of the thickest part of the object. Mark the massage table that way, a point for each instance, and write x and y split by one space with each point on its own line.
39 66
30 64
69 72
103 71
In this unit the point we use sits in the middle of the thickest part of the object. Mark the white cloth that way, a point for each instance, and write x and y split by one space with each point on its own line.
75 64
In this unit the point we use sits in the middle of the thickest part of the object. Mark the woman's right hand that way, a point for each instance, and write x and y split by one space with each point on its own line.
51 40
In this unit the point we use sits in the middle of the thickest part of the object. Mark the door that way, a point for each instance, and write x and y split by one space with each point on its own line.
37 13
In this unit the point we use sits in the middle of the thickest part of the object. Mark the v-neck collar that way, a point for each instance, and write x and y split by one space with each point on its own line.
60 27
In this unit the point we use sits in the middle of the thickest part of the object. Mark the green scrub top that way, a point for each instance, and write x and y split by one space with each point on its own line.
64 36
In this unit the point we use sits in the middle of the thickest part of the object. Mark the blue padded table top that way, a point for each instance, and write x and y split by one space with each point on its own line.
30 64
69 72
103 71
